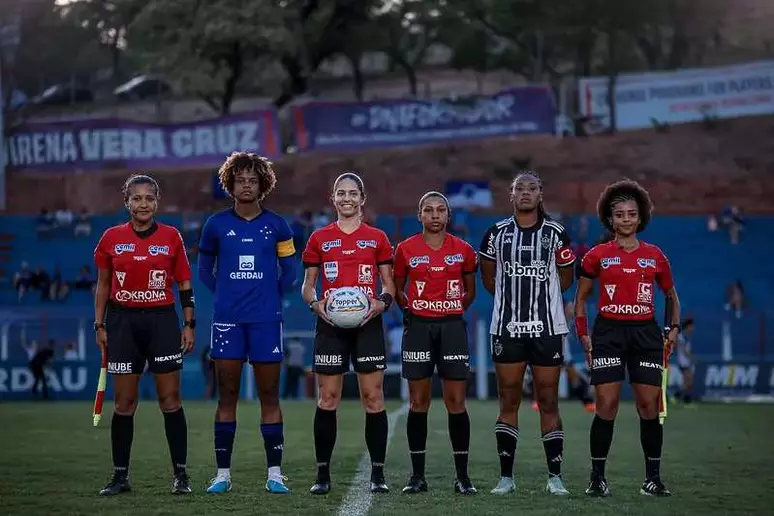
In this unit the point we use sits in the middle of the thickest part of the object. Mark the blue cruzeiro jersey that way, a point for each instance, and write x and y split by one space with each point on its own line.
248 264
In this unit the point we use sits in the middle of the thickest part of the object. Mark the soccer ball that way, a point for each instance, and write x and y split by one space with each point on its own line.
346 307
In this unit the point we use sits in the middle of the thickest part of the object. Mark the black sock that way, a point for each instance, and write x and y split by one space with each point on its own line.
273 443
376 427
600 439
324 441
416 433
121 435
459 434
651 438
177 438
507 437
553 445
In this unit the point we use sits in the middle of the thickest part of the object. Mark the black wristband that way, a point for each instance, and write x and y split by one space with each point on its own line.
386 298
187 298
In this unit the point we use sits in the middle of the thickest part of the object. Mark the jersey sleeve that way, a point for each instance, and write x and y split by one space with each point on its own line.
182 269
400 267
285 245
101 253
383 250
311 255
208 241
590 264
470 260
664 277
487 249
565 256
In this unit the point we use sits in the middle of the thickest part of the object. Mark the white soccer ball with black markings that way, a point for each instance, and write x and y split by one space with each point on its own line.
346 307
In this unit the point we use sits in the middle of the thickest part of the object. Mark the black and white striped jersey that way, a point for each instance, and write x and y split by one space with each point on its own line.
528 295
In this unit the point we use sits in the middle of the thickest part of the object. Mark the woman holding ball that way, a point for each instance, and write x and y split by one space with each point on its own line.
350 254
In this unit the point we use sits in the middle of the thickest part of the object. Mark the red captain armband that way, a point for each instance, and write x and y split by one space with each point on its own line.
581 326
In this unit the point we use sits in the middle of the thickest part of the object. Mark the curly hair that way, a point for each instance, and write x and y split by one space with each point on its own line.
238 161
140 179
620 191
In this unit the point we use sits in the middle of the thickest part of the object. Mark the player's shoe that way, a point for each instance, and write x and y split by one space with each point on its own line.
322 486
276 485
181 483
219 485
415 485
535 406
598 487
504 486
378 484
654 487
464 486
555 486
117 484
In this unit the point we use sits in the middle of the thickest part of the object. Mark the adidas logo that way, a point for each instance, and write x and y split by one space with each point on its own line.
556 355
231 233
276 349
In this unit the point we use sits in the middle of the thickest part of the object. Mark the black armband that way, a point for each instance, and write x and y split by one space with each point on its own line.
386 298
187 298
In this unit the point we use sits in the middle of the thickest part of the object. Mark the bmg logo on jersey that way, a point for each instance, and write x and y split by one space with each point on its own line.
157 280
246 262
365 273
156 250
453 289
644 292
123 248
537 270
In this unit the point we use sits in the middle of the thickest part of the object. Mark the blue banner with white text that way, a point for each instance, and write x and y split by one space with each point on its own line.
388 123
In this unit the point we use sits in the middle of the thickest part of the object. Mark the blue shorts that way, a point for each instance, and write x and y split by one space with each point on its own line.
255 342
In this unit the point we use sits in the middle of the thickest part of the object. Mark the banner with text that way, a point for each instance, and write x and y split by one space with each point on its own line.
691 95
387 123
98 144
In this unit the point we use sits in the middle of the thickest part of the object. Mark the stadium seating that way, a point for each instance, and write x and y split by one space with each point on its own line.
704 264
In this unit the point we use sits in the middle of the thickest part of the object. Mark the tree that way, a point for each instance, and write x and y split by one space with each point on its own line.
210 57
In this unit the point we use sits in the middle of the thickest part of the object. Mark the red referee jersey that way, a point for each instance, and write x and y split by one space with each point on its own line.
434 277
348 260
626 279
143 268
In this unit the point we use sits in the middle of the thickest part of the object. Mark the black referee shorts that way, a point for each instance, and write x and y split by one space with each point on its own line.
430 342
618 346
137 336
335 347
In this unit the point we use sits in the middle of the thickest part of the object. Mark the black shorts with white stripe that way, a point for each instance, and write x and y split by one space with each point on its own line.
539 351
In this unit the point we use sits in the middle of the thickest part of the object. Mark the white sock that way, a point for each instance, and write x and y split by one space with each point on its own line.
275 472
224 474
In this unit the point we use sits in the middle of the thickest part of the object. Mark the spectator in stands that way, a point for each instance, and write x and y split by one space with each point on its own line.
71 352
45 223
83 224
735 300
732 219
712 223
22 280
59 288
37 368
63 217
294 368
84 280
41 281
302 227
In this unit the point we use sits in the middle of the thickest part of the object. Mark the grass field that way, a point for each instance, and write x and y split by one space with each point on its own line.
717 460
